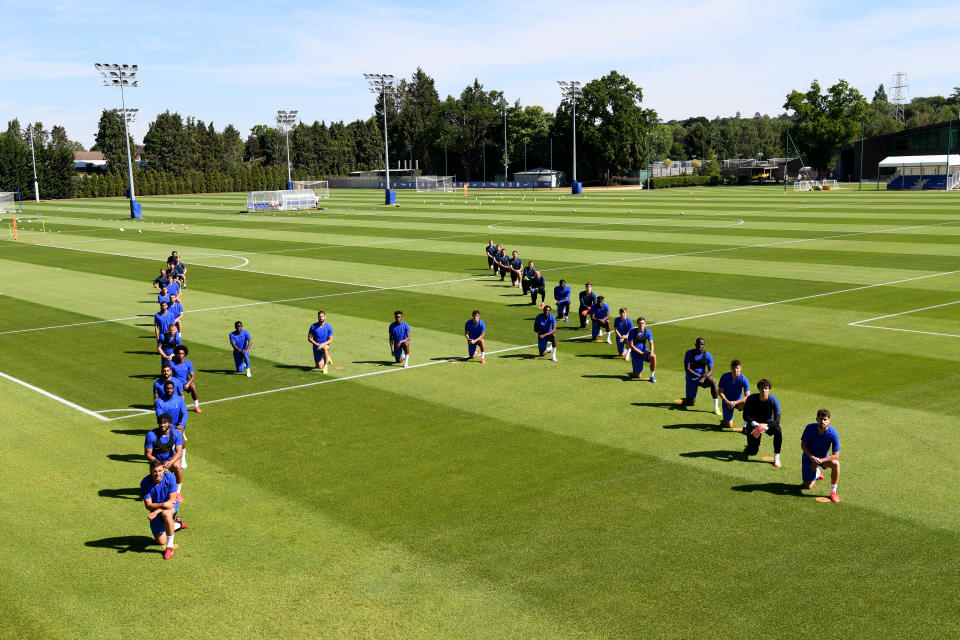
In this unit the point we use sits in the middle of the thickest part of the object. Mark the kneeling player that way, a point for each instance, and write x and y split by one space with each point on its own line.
398 334
761 414
320 335
538 287
475 331
698 365
641 349
622 326
165 445
159 494
561 293
600 314
183 371
734 389
817 440
545 325
240 341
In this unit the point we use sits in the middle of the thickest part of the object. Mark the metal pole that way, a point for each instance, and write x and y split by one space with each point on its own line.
483 152
289 177
386 147
860 187
524 155
551 155
574 139
36 187
445 171
126 138
649 164
946 185
504 141
786 160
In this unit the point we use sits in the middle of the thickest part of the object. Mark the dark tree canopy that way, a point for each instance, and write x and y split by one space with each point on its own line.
825 121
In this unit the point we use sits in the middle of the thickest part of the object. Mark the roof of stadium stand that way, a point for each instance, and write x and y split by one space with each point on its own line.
921 161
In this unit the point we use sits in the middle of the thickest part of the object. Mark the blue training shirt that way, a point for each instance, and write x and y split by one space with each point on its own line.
474 330
601 311
173 288
544 323
151 441
734 388
159 383
623 326
640 338
158 493
398 331
817 444
174 407
167 343
181 371
321 333
163 320
561 294
697 363
240 340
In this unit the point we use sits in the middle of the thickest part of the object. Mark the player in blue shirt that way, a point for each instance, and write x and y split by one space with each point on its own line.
162 321
600 314
173 287
516 267
622 325
163 296
475 331
166 375
587 299
491 251
159 494
529 273
538 287
398 334
183 370
320 335
734 389
172 404
641 349
545 325
817 440
240 341
160 282
561 294
761 414
166 344
166 445
698 366
504 265
497 255
180 269
175 309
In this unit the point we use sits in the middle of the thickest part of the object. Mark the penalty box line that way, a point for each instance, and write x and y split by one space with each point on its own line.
863 323
52 396
529 346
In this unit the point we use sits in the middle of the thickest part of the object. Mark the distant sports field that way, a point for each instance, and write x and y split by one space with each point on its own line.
521 498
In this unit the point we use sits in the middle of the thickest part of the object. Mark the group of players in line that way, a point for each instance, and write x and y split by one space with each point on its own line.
164 446
820 444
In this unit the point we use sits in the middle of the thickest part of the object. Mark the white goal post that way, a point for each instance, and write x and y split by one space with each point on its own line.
426 184
828 184
803 185
320 187
10 202
285 200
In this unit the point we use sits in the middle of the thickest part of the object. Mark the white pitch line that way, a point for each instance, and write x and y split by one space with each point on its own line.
54 397
929 333
903 313
495 226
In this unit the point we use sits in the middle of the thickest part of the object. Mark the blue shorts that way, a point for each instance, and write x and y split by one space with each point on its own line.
157 526
398 352
727 412
693 386
542 343
241 360
637 360
621 345
471 348
318 355
807 471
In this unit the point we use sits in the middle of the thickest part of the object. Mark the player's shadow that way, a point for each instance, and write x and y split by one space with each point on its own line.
524 356
132 493
383 363
696 426
220 372
144 376
295 367
722 455
625 377
602 356
141 406
776 488
143 353
145 324
123 544
672 406
521 304
130 432
127 457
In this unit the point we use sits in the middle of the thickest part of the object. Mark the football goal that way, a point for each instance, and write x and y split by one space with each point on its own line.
10 202
434 183
803 185
320 187
286 200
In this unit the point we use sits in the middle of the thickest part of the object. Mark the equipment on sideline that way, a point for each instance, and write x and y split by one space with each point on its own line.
426 184
286 200
10 202
319 187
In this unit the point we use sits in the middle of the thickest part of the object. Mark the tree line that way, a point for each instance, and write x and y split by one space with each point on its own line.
460 135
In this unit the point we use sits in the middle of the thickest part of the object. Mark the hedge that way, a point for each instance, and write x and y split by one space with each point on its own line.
685 180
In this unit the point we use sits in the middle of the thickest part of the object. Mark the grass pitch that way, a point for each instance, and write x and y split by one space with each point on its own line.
518 499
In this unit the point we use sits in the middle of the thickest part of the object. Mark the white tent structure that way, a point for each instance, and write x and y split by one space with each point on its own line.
922 172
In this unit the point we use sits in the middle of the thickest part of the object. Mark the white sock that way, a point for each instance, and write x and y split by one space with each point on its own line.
554 357
196 403
177 526
183 458
179 484
716 403
483 354
170 541
776 457
833 488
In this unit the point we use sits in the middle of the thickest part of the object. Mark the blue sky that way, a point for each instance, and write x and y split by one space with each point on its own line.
239 62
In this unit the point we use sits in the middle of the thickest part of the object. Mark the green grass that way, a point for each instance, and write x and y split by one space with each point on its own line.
517 499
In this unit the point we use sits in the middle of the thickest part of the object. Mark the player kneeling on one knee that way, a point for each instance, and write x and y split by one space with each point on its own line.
816 442
545 325
734 389
698 366
475 331
398 335
160 497
761 415
320 335
165 445
640 342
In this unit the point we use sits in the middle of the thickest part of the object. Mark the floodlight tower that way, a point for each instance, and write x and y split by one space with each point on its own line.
33 157
123 75
284 120
899 84
382 84
505 178
572 90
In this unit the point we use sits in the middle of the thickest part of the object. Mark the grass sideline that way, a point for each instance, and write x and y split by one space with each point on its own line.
522 498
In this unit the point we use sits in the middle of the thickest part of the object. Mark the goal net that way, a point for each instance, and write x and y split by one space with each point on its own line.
10 202
427 184
803 185
828 184
320 187
286 200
